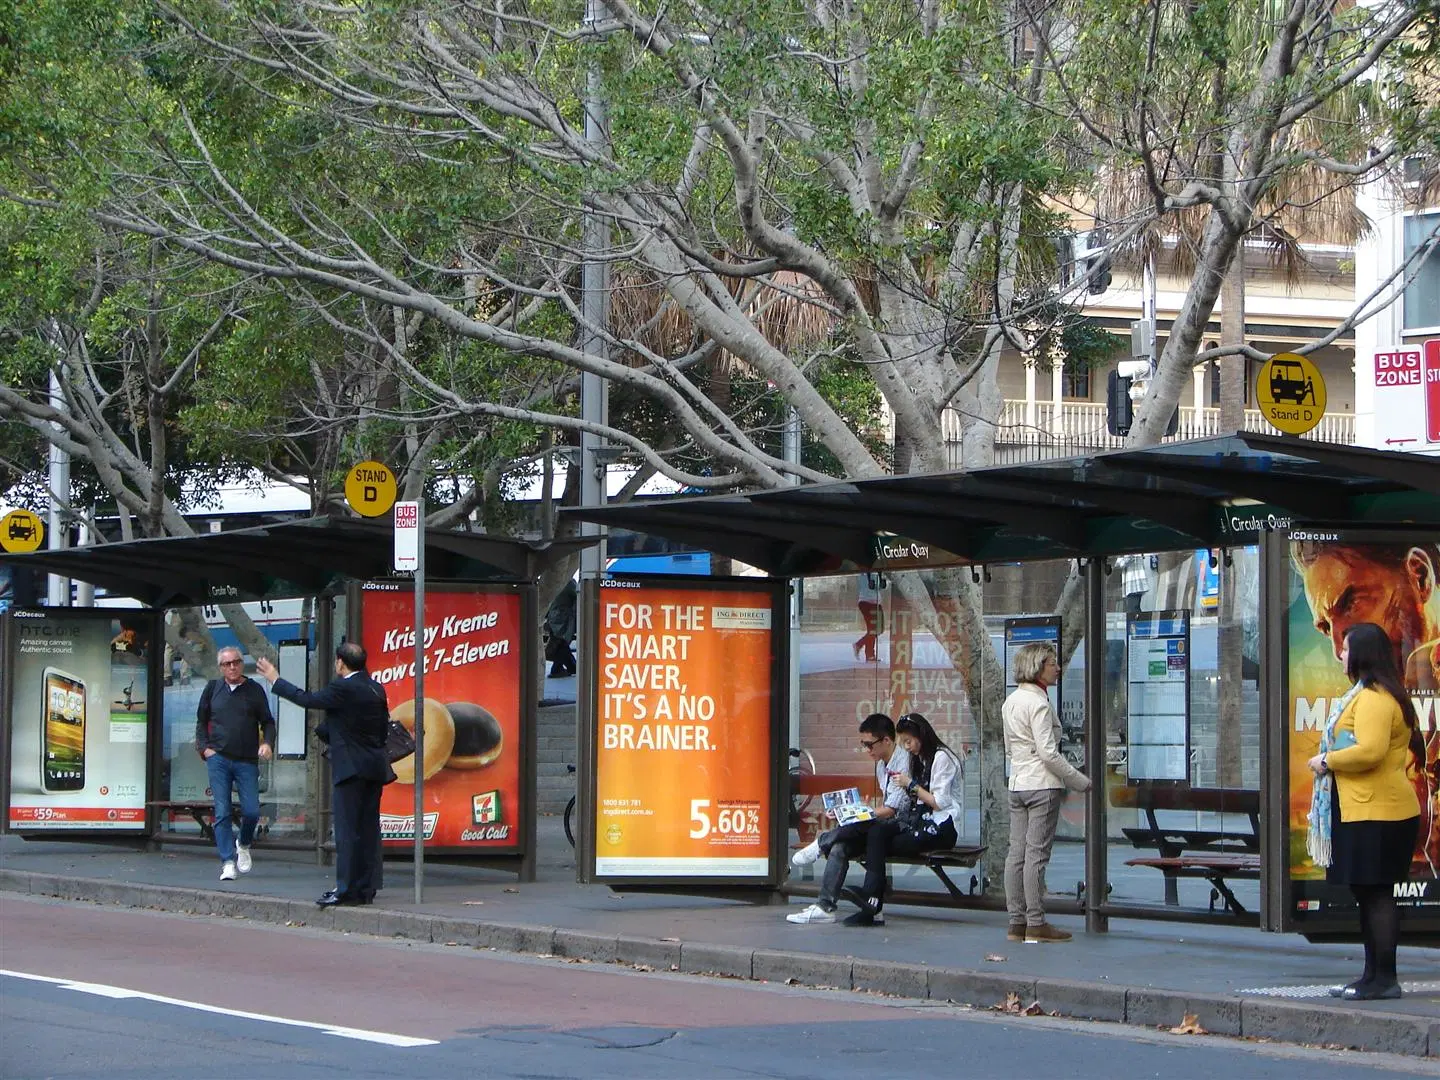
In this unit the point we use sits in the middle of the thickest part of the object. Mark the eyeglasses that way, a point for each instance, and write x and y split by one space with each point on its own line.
228 663
864 745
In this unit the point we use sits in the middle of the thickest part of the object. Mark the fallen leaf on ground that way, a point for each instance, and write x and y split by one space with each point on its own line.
995 958
472 903
1011 1004
511 890
1189 1025
455 943
1034 1009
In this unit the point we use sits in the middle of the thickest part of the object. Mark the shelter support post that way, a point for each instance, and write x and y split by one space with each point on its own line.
1095 854
1274 715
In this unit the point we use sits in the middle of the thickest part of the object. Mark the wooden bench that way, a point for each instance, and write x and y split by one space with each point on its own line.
1213 868
1212 854
963 854
202 812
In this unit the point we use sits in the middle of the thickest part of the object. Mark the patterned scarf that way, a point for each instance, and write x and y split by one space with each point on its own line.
1318 840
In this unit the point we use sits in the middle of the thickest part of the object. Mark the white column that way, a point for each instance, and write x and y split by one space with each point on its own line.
1198 376
1056 427
1029 392
1376 255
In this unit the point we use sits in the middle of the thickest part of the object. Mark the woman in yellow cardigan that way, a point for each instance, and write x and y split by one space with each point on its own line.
1364 817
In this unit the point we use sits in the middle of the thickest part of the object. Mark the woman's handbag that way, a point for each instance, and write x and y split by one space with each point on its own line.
399 742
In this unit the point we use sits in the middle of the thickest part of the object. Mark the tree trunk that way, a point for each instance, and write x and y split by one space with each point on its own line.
1229 646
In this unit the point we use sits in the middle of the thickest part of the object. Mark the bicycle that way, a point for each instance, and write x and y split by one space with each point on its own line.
803 765
570 812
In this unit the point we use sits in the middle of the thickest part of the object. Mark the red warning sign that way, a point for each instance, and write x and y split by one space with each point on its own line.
1432 390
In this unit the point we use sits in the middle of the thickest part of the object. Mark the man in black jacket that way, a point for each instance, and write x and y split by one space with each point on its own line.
234 732
356 719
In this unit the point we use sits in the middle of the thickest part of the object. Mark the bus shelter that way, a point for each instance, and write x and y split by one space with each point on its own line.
100 703
1197 593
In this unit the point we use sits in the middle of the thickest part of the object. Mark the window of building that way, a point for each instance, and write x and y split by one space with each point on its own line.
1422 297
1212 376
1075 383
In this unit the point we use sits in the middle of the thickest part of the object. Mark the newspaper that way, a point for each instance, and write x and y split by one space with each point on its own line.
846 806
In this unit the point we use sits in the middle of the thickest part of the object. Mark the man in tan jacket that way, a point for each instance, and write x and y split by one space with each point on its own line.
1039 776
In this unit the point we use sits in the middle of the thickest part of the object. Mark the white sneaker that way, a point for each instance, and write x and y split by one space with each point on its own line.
806 855
243 862
227 872
812 914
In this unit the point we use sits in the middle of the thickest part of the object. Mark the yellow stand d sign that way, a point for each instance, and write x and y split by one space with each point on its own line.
1290 392
370 489
21 531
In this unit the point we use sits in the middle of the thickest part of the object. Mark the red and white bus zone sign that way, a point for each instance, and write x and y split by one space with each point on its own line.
407 535
1407 396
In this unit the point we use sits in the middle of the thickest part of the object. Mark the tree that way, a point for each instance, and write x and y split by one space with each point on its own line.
419 176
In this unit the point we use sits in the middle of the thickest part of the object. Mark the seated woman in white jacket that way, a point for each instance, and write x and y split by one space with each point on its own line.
937 785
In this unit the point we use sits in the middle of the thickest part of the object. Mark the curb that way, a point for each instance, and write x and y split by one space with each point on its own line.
1221 1014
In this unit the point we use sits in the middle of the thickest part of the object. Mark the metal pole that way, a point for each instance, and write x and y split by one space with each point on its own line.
420 700
58 588
1097 875
595 310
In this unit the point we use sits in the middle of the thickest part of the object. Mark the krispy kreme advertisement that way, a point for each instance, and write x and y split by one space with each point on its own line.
78 719
473 744
1338 578
685 715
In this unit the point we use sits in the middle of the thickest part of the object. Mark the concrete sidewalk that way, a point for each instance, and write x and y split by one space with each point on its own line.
1236 981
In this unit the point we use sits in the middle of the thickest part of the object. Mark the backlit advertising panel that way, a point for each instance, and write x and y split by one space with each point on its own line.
1337 578
78 705
474 748
685 726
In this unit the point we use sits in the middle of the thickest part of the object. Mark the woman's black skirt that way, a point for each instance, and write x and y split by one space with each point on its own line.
1370 852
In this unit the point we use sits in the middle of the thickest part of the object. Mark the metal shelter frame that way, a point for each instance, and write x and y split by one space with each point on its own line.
1230 491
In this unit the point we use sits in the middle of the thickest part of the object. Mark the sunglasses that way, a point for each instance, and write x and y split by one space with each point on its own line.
870 745
230 663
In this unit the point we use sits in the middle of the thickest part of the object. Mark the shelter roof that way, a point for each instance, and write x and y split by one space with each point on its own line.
293 558
1207 493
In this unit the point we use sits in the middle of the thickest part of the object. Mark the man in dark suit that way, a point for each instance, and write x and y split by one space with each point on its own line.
356 720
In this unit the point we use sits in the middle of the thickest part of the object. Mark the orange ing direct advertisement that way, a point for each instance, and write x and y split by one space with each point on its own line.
684 716
472 712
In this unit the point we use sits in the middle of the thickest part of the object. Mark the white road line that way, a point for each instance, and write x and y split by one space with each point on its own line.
119 992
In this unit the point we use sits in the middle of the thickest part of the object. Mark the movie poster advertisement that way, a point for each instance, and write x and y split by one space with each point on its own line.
1338 578
473 743
686 719
79 719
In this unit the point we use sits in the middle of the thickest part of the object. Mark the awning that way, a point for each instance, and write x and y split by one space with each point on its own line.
1207 493
296 558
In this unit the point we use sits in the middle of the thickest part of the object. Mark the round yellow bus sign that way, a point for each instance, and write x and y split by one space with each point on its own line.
21 531
370 489
1290 392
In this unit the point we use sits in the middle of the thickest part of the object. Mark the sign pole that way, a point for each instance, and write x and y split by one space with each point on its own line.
420 700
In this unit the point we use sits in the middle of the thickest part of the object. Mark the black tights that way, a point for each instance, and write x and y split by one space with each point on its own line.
1380 930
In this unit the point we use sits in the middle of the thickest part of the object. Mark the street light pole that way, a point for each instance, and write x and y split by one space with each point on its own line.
595 311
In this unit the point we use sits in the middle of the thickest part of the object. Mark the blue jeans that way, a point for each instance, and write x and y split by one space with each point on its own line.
244 777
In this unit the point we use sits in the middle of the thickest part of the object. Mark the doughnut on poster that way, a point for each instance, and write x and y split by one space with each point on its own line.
473 744
686 711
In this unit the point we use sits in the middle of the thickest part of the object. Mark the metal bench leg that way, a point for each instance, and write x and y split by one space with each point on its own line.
1172 889
1231 902
950 886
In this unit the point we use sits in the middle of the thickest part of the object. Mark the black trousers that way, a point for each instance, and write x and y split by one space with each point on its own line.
356 805
889 837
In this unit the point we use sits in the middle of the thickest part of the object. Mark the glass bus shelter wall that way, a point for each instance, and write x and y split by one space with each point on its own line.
288 786
923 651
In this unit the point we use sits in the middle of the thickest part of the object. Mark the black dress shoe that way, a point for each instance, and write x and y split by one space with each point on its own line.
1372 992
334 899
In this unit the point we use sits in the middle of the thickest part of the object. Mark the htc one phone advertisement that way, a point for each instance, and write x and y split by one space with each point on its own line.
473 744
79 719
685 715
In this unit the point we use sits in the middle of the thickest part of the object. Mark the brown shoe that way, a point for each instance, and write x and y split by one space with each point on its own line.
1046 932
1016 932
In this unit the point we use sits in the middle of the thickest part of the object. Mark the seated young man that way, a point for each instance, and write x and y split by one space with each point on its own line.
841 844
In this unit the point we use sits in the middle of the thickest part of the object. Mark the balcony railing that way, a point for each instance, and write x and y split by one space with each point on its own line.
1043 429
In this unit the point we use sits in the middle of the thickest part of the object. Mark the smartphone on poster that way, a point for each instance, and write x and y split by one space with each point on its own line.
62 732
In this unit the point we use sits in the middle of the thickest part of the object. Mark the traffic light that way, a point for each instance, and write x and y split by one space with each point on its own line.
1097 262
1119 409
